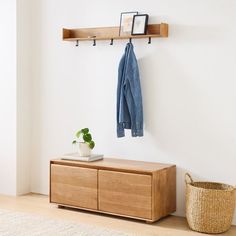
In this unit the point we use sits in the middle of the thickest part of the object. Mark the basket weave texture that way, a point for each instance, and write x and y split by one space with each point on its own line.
209 206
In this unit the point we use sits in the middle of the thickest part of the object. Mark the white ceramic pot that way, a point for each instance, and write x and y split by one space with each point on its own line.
84 150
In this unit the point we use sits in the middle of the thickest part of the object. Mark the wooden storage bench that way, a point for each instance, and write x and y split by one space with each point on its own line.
135 189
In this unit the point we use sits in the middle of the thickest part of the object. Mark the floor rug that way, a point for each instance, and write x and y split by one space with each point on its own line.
24 224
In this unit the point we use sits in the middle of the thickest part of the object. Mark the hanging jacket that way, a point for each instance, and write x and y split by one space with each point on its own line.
129 97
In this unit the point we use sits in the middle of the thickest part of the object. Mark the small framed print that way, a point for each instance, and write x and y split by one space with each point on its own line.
139 25
126 22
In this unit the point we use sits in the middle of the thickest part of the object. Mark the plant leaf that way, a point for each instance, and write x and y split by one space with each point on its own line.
74 142
85 130
87 137
91 144
78 133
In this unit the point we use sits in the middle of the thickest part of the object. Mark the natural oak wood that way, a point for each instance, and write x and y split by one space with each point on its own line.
74 186
107 33
124 193
135 189
107 213
123 165
38 205
164 192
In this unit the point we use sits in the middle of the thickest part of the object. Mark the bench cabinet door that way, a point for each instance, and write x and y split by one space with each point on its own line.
74 186
125 193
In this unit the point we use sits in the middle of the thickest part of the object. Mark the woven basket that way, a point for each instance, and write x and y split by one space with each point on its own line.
209 206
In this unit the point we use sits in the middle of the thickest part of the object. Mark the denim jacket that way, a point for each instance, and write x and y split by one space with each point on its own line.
129 97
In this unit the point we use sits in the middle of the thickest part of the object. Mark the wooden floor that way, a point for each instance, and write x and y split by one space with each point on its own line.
39 204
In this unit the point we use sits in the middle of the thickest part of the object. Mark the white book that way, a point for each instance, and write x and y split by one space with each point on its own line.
76 157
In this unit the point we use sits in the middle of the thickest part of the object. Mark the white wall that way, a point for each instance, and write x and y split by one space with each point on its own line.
8 97
188 84
24 87
15 87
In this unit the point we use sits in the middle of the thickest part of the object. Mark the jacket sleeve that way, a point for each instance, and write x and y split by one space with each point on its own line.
133 95
122 116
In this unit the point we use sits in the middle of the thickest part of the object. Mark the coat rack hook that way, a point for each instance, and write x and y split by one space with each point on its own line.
149 40
111 43
77 43
94 42
130 40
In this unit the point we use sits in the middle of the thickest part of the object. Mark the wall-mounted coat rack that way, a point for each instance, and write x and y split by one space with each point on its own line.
112 33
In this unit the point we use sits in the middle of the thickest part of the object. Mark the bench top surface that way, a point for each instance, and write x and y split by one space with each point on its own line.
117 165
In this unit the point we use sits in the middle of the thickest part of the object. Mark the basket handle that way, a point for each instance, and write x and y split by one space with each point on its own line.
188 178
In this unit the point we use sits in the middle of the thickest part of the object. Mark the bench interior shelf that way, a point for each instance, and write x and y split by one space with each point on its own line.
112 33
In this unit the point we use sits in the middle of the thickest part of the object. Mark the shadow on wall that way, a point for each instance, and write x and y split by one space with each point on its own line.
180 191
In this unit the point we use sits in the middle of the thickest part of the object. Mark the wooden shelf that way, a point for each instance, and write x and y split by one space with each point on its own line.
108 33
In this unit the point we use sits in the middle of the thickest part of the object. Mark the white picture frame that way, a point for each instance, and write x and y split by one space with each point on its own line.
126 22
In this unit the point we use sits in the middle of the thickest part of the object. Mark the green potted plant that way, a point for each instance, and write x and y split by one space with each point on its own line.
88 144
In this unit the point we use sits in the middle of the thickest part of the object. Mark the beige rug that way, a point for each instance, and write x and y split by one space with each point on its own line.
23 224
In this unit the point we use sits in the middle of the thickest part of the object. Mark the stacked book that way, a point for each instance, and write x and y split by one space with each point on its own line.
77 157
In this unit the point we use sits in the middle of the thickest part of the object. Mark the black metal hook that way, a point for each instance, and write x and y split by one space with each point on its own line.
130 40
94 42
149 40
77 43
111 43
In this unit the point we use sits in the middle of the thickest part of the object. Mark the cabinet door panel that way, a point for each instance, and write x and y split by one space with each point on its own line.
74 186
125 193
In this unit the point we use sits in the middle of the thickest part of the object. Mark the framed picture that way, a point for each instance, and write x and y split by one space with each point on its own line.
139 25
126 22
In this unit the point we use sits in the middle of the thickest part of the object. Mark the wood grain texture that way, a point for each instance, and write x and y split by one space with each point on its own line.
122 165
74 186
65 33
164 192
124 193
164 30
107 33
136 189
